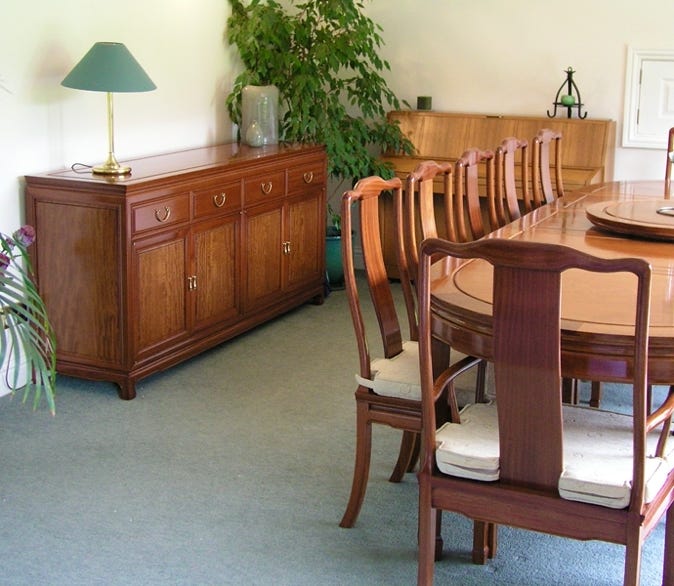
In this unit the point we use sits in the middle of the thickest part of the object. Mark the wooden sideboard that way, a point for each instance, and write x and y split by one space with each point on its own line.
588 147
193 248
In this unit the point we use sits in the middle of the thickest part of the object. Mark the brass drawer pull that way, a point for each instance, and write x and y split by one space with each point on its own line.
308 177
266 187
167 215
219 200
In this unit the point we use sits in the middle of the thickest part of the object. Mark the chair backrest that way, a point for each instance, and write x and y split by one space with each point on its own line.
527 298
423 183
540 167
469 218
364 199
504 207
669 155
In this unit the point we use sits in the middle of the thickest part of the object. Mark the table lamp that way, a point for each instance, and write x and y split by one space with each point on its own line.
109 67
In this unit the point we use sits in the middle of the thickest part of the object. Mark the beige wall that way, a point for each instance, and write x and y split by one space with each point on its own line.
45 126
485 56
493 56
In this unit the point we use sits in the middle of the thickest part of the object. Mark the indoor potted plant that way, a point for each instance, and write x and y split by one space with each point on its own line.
322 55
333 249
26 333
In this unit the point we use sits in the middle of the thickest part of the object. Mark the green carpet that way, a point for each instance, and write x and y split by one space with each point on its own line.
235 468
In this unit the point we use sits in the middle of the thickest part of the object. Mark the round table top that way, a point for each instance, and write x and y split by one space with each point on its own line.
646 218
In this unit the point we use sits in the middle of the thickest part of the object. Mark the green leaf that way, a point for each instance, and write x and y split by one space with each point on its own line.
323 57
26 333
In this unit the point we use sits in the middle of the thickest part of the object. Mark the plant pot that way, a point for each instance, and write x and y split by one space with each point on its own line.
333 261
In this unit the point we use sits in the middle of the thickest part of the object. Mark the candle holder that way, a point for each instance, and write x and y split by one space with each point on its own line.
570 100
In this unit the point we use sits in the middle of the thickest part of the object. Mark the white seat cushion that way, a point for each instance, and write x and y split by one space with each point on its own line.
598 459
470 449
398 376
597 454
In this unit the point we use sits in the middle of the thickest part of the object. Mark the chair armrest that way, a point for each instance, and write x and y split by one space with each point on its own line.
445 382
662 414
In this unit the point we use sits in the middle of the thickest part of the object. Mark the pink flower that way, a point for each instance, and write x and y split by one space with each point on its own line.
24 235
4 262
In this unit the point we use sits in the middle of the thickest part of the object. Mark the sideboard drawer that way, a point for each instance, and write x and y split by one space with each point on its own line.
213 199
264 187
162 212
302 177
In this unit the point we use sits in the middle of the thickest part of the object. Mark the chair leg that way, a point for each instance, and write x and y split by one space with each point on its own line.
570 391
407 457
480 382
649 397
480 379
668 564
361 469
595 394
428 518
633 553
493 539
484 541
439 543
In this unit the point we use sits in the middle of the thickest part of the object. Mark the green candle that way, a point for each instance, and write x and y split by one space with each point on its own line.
568 100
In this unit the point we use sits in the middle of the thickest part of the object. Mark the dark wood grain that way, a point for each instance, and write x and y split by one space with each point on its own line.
192 248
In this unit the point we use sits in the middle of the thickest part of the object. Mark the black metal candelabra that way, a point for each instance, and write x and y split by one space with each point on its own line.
570 100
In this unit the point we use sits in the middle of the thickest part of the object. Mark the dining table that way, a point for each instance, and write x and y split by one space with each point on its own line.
613 220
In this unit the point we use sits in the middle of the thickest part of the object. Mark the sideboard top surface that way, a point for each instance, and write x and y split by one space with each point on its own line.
157 167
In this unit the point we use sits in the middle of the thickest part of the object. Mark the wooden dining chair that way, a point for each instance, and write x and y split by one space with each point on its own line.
388 390
669 159
473 169
527 460
504 206
543 193
544 142
428 180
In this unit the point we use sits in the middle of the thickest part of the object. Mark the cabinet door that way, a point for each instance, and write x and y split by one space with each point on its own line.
264 254
305 254
213 286
160 276
78 260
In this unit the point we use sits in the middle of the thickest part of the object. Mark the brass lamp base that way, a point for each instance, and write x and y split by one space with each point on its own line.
106 169
111 167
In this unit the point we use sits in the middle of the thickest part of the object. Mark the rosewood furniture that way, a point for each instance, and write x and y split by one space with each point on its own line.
595 320
418 209
419 220
504 207
544 142
669 155
526 460
587 151
470 220
194 247
388 389
651 218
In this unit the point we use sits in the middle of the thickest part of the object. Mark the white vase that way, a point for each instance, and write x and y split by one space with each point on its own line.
259 103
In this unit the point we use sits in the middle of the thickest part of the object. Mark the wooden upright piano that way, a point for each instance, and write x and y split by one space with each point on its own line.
588 148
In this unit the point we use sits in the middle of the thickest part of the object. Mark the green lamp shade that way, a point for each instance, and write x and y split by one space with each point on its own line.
109 67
